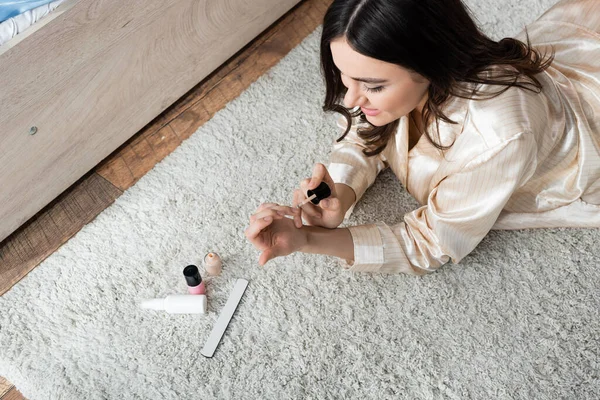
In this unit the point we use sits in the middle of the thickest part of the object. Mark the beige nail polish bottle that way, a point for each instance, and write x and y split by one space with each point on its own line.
213 264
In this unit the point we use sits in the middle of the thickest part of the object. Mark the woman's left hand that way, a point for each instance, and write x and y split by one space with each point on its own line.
274 234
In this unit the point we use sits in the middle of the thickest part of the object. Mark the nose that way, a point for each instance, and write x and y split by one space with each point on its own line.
353 98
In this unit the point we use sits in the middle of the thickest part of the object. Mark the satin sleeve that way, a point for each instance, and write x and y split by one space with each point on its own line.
459 212
349 165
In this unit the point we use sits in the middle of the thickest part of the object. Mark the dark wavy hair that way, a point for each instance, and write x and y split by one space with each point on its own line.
437 39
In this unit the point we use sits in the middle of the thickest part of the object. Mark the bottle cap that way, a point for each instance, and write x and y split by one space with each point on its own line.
322 191
192 275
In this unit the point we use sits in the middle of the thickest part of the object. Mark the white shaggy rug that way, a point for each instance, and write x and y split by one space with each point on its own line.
516 319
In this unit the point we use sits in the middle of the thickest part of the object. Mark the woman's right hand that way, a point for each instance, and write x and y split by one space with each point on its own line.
330 212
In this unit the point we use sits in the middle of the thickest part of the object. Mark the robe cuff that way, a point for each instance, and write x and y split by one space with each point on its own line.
376 249
368 249
352 176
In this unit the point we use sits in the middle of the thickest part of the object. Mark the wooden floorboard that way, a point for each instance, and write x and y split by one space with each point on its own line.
64 217
8 391
13 394
53 226
5 386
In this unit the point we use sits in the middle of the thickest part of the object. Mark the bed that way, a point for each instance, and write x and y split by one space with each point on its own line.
17 17
79 82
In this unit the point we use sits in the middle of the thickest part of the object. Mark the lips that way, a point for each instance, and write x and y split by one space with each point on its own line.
370 112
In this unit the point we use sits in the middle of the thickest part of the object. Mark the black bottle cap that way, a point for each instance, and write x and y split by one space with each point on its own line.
322 191
192 275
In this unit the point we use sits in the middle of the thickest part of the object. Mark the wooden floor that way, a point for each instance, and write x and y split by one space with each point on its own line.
64 217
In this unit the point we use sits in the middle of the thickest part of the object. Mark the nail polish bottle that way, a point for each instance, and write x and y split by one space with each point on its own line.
320 192
317 194
213 264
178 304
194 280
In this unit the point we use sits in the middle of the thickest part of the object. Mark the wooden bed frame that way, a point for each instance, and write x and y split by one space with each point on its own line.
83 80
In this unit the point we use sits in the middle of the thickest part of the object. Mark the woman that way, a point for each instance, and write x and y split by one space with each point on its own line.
484 134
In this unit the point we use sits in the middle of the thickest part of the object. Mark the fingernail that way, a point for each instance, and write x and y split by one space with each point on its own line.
325 203
268 219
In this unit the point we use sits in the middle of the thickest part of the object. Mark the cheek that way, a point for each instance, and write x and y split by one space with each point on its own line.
402 100
394 102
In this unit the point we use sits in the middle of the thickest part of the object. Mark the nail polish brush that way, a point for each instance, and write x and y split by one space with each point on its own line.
317 194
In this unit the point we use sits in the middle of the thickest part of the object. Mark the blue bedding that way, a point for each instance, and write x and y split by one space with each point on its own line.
11 8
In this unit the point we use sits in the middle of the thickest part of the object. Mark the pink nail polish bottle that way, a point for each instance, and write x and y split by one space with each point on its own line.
194 280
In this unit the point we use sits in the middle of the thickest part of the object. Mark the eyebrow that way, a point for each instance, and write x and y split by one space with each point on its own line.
368 80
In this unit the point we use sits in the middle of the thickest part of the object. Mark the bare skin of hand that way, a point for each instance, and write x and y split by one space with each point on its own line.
330 212
273 233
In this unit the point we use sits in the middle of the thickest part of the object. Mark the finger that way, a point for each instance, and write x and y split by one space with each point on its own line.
325 177
304 186
273 206
257 226
319 172
309 208
287 210
275 212
265 205
331 204
282 210
265 256
298 197
265 213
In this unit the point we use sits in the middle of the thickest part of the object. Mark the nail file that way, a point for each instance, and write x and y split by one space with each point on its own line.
221 325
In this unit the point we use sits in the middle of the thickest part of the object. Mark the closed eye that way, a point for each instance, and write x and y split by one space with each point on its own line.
375 89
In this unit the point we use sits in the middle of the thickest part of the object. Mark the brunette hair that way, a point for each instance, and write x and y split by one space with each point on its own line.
437 39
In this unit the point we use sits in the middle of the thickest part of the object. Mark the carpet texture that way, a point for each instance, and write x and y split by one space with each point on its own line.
516 319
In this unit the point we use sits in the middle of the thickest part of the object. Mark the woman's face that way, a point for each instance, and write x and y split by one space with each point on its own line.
384 91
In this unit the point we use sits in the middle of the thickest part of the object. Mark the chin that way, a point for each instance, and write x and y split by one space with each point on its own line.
377 120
